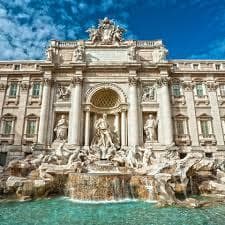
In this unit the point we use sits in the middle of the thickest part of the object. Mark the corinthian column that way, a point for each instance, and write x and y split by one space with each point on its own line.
123 128
43 125
74 136
133 122
215 112
165 113
87 128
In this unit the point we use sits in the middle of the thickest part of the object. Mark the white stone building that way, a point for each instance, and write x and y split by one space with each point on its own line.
127 80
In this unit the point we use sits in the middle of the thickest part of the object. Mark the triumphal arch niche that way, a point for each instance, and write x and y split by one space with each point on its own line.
110 95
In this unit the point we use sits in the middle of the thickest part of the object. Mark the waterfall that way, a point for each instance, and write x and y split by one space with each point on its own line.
149 188
191 184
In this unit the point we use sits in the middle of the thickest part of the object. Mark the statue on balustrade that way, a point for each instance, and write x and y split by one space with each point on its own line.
150 129
61 129
102 140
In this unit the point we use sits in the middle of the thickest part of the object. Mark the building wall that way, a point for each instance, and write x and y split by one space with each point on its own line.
189 106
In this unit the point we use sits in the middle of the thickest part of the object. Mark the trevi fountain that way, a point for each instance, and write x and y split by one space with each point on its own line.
106 139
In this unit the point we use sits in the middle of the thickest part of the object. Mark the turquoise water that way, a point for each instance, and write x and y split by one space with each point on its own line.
62 211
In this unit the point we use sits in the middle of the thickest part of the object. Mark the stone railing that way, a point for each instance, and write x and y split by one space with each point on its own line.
20 66
155 43
198 65
66 43
183 139
209 139
146 43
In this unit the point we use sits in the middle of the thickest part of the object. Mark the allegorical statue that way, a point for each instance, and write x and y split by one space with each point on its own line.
61 128
49 54
150 129
103 138
132 53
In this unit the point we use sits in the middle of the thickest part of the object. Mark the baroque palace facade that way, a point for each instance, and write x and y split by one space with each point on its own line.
149 101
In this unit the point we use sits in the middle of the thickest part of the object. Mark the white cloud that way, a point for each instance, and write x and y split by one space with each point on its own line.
26 26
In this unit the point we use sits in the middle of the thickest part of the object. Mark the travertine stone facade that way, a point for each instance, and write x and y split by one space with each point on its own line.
127 80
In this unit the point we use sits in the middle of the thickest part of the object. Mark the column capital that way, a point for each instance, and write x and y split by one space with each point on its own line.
47 81
77 80
133 81
212 86
24 86
3 86
163 81
188 85
87 108
123 108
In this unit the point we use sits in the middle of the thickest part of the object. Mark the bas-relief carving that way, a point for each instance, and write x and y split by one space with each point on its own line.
63 93
149 93
106 33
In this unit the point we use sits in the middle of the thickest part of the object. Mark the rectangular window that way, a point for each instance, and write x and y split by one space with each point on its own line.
180 127
7 127
204 128
195 66
31 128
176 90
36 89
13 90
17 67
222 90
217 66
199 90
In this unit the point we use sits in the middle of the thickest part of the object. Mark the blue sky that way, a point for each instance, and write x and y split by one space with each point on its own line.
190 29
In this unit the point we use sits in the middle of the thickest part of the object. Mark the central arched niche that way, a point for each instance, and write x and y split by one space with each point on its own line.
105 98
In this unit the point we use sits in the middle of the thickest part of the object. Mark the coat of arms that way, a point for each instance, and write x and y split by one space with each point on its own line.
106 33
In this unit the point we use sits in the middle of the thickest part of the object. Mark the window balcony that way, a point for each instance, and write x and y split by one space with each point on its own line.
7 138
178 99
183 139
27 139
207 139
201 99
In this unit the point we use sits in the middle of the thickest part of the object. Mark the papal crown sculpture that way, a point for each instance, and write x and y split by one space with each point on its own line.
106 33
